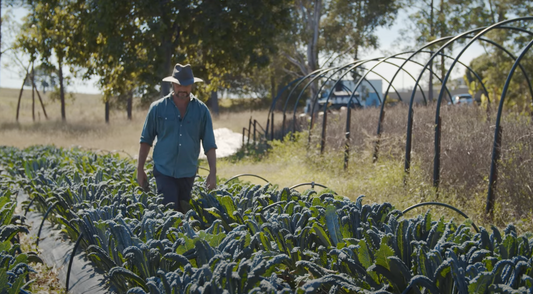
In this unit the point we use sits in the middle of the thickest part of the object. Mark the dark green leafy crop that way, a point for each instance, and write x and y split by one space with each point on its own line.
244 238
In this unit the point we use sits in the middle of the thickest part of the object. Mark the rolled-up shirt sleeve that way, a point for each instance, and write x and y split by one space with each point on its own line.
208 136
149 131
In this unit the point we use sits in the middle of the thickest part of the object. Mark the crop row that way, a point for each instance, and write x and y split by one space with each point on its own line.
14 264
244 238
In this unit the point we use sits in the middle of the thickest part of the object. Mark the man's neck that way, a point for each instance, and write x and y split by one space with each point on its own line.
181 104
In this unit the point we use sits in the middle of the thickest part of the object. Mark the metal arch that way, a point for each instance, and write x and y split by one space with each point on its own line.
281 92
352 64
71 260
384 60
416 62
501 48
493 164
510 55
322 74
314 75
294 110
407 163
275 100
355 65
444 205
431 71
42 222
381 116
380 60
319 90
316 97
300 78
436 163
361 62
296 104
378 133
242 175
312 117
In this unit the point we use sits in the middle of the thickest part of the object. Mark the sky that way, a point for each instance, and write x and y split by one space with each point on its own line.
11 75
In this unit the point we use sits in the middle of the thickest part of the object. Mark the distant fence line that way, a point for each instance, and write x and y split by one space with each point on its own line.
335 75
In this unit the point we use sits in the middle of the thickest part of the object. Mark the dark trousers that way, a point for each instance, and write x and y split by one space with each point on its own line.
176 190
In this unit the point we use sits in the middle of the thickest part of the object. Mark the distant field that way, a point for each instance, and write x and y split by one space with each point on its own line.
85 125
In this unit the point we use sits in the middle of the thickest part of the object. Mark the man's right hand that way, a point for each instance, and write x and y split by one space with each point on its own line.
142 179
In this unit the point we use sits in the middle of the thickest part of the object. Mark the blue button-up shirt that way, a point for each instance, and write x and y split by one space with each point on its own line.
178 138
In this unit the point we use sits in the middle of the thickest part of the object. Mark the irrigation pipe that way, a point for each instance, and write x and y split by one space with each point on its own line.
313 184
42 223
441 204
72 260
242 175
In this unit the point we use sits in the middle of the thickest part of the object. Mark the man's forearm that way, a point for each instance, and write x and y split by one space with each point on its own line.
212 160
144 149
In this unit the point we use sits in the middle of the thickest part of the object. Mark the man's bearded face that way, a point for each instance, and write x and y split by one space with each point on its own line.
182 92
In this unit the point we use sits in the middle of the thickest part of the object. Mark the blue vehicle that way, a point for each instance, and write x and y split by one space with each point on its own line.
365 96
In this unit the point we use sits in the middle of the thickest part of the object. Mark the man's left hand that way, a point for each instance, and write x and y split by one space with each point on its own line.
211 181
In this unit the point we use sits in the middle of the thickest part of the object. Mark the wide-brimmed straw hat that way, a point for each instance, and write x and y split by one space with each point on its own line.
182 75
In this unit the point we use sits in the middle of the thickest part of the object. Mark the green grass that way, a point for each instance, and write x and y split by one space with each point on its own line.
289 163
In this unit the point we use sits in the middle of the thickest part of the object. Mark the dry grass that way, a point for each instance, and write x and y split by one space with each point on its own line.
466 150
85 125
45 279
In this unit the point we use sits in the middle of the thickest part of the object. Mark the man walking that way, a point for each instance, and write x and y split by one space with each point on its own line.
179 121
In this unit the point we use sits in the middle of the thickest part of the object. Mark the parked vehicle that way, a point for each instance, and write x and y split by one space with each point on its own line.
462 99
341 99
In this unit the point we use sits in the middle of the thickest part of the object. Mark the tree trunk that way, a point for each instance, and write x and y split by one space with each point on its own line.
20 96
442 34
130 105
313 26
62 91
32 92
107 111
213 103
40 100
432 32
167 66
0 31
272 85
430 90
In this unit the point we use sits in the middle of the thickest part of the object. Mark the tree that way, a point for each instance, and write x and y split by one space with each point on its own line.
8 3
328 27
133 45
46 34
434 19
494 65
350 25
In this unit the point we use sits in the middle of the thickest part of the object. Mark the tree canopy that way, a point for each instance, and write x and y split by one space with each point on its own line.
132 45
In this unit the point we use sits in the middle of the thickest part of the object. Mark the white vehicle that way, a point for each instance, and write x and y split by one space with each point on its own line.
462 99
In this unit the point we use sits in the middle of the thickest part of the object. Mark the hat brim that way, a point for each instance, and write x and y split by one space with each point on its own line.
183 83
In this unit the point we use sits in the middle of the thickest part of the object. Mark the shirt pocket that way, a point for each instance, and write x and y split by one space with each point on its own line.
167 125
193 126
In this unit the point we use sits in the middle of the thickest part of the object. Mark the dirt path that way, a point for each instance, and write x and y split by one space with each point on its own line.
228 142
